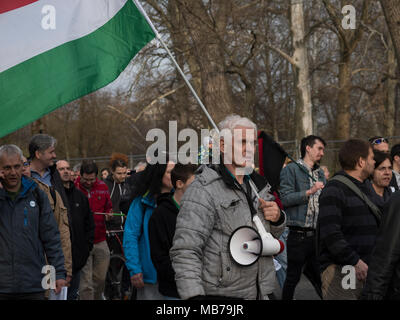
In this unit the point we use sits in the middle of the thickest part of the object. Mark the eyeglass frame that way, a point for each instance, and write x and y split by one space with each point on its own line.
382 141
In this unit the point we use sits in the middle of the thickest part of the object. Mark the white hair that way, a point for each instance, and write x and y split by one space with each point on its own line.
233 120
10 150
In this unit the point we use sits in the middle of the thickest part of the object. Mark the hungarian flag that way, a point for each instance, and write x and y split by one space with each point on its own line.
55 51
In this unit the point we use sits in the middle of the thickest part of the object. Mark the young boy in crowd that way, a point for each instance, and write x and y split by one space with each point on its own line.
162 228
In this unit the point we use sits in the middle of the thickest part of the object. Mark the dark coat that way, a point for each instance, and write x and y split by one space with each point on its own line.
28 231
161 233
58 185
82 224
383 280
117 192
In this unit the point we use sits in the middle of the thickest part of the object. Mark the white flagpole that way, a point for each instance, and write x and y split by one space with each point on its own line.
139 6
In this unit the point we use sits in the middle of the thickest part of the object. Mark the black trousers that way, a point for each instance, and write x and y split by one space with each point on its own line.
301 252
22 296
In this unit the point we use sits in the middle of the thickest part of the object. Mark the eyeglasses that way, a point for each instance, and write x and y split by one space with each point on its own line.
379 141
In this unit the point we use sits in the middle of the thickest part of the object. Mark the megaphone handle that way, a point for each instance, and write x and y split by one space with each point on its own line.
260 228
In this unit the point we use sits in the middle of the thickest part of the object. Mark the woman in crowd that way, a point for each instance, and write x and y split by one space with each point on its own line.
380 179
155 180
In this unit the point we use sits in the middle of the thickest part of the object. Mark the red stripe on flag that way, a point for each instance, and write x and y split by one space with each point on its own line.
8 5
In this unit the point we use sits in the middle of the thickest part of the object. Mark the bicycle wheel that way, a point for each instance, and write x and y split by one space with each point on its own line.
117 286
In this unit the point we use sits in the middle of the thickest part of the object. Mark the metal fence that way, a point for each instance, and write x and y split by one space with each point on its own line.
292 147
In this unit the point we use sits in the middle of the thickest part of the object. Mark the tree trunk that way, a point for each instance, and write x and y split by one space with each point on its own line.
301 71
390 106
216 93
391 10
343 106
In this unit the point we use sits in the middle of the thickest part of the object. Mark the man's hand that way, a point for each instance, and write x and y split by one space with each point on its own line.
109 215
137 280
361 270
317 186
59 284
270 209
68 281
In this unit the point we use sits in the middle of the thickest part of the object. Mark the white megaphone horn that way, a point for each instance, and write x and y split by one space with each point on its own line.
246 244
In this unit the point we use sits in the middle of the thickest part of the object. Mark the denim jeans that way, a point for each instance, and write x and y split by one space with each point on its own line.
282 259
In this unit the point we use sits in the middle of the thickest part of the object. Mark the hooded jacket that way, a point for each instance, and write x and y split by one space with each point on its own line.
117 192
161 233
99 201
212 208
136 242
28 231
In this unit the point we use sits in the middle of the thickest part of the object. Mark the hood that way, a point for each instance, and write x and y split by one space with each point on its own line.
165 199
26 184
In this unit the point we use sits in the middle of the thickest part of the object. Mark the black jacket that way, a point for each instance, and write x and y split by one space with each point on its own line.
347 227
82 224
118 191
383 280
377 199
393 183
131 185
57 183
161 233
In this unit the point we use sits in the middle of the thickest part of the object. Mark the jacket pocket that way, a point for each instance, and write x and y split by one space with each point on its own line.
226 270
232 215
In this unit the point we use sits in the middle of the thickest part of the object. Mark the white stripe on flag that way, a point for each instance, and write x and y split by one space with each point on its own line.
22 36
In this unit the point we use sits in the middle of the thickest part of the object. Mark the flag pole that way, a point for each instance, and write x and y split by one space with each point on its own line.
158 36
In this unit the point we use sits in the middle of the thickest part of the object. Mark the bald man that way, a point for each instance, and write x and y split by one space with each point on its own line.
82 226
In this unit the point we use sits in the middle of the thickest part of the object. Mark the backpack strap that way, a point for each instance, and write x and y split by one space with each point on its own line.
350 184
53 195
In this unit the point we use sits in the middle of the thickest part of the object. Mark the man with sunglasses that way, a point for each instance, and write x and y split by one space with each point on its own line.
379 143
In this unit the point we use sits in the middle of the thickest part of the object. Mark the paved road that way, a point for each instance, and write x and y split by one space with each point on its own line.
304 291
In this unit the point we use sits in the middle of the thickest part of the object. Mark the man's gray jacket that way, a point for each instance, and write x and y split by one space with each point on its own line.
28 231
212 208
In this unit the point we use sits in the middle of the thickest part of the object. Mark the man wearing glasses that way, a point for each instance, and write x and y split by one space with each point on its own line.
93 274
28 232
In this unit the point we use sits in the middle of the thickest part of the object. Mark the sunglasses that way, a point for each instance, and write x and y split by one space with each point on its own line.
379 141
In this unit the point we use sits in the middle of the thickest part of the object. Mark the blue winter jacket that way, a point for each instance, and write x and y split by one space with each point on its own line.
136 239
28 231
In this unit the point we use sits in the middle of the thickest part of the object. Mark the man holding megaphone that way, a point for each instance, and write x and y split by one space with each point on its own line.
228 224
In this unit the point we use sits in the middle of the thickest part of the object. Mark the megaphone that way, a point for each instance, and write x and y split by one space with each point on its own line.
246 244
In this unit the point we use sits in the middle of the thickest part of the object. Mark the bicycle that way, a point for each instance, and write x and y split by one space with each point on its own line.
118 285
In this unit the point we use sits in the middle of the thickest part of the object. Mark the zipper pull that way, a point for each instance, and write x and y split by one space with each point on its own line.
25 217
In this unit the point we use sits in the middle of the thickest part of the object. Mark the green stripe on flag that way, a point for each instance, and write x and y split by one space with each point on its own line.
49 80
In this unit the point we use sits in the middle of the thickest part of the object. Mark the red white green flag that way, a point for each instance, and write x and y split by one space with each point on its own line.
55 51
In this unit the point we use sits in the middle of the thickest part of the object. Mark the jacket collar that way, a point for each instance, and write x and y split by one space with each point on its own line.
230 180
26 185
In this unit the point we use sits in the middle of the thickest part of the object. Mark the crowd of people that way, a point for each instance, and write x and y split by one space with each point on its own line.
174 223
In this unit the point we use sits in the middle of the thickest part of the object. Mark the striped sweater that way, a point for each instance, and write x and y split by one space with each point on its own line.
347 227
